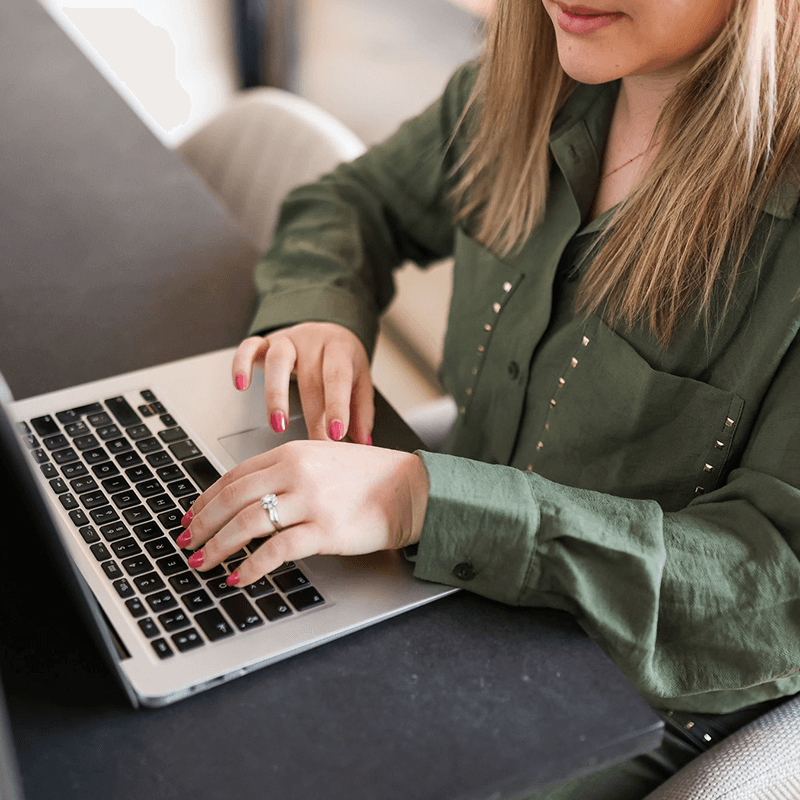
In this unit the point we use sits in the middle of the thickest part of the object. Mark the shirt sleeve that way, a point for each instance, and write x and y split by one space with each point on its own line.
337 240
700 608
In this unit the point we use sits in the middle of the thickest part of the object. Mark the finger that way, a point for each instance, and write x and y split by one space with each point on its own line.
249 352
312 398
362 409
251 523
337 377
218 510
298 541
278 366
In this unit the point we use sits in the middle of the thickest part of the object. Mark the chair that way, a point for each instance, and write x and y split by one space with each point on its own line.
759 762
267 142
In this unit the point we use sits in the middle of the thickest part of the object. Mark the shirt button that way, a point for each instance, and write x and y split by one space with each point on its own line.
464 572
513 370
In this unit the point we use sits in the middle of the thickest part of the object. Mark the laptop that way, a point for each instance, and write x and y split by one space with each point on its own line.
106 471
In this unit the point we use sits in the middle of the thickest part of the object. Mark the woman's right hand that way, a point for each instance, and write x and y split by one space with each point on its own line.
332 369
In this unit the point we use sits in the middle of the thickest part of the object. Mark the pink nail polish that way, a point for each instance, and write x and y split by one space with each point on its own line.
336 430
197 560
233 578
187 518
369 439
183 539
241 382
278 421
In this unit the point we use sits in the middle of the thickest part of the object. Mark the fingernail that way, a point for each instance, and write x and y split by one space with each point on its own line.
187 518
278 421
369 439
241 382
336 430
233 578
183 539
197 560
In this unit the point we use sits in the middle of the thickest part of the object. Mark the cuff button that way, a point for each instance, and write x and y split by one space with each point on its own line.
464 572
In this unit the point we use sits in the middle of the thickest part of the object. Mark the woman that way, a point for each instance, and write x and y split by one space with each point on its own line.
619 187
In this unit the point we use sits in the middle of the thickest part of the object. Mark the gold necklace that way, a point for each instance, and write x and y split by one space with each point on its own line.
621 166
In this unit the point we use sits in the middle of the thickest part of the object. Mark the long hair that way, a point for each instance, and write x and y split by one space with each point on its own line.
729 133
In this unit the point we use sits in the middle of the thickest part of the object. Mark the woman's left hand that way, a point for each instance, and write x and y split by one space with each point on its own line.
332 497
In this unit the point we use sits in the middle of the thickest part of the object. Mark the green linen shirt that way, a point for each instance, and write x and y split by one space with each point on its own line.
652 492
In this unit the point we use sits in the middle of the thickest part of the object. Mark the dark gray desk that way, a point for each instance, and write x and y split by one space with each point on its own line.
115 257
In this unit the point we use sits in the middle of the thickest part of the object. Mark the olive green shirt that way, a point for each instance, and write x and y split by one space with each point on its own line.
652 492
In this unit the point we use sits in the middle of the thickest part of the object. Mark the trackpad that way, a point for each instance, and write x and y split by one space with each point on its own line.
244 445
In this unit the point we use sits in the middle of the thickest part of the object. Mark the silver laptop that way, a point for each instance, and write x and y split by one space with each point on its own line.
115 463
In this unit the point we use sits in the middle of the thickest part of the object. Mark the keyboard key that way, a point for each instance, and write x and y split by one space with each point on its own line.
58 486
241 612
174 620
87 442
185 582
187 502
170 565
172 435
40 456
261 587
150 487
151 582
85 484
49 471
115 484
159 459
138 474
123 412
95 499
66 417
114 532
197 600
161 503
108 432
219 587
124 589
125 548
136 515
78 517
63 456
45 426
273 606
168 420
129 458
160 547
187 640
288 581
149 628
100 551
89 534
104 516
161 601
148 396
79 428
162 648
140 431
306 598
171 519
147 531
150 445
125 499
96 456
112 570
99 419
106 469
68 501
202 472
116 446
56 442
135 607
184 450
214 625
181 488
137 565
171 473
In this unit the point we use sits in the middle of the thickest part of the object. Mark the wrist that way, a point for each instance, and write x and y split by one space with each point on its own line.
419 489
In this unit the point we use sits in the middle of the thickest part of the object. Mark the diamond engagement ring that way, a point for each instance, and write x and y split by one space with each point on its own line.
269 502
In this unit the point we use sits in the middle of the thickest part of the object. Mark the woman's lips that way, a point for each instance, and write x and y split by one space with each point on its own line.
582 20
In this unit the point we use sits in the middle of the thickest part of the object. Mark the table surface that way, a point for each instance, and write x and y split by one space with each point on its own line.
110 246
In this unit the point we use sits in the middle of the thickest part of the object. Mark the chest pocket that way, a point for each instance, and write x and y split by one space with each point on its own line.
615 424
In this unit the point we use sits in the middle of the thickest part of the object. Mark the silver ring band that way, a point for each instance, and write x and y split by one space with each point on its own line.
269 502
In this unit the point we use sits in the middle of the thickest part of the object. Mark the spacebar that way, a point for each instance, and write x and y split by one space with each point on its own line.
202 471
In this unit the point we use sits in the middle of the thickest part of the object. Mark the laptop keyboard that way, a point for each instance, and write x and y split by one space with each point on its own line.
126 476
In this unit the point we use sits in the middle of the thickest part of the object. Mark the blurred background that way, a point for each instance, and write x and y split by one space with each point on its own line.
370 63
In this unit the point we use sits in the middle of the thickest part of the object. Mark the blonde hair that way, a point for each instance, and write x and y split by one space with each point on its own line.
729 133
